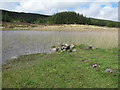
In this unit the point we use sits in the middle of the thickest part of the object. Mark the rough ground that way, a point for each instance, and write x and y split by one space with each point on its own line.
63 70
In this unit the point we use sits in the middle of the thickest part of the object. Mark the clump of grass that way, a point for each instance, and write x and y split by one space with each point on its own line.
53 46
63 70
82 46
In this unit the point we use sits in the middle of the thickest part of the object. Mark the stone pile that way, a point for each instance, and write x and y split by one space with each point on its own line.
65 47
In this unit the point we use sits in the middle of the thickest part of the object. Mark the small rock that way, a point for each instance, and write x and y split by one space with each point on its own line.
72 46
86 48
14 57
54 49
95 65
64 49
58 49
84 60
74 50
91 47
66 45
109 70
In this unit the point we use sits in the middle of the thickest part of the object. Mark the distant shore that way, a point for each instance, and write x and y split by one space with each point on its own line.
6 26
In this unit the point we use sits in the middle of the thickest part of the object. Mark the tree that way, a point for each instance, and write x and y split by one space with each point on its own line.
6 18
66 18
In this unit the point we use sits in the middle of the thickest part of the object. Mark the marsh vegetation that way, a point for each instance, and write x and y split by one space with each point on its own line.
28 61
60 69
29 42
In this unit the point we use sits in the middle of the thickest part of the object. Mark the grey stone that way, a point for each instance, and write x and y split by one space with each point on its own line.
95 65
72 46
74 50
109 70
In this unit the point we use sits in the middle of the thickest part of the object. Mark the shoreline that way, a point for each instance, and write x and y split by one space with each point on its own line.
44 27
42 69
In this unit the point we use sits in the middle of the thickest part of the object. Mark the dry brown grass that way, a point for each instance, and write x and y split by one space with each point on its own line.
72 28
98 36
65 27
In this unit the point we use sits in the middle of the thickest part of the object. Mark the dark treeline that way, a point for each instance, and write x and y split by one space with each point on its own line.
58 18
9 16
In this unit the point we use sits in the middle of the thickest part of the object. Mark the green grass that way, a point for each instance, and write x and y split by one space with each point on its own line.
63 70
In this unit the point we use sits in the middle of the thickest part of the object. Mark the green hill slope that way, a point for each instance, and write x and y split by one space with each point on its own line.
58 18
9 16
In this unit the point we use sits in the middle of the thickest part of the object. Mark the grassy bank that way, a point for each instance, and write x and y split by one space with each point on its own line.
55 27
63 70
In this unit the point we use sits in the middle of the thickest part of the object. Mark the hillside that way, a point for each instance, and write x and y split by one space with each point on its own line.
9 16
58 18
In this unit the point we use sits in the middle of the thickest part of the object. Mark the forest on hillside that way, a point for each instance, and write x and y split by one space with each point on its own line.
58 18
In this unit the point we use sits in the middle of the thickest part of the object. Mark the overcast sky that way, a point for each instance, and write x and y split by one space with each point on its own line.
91 8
